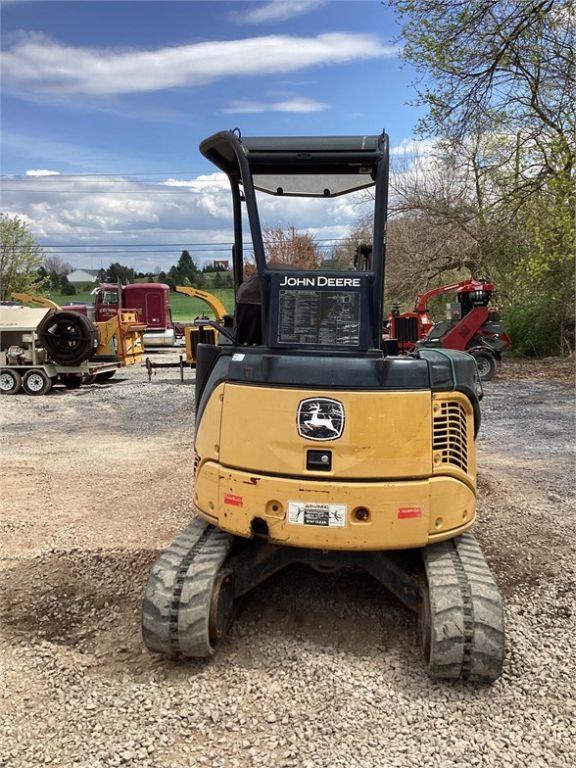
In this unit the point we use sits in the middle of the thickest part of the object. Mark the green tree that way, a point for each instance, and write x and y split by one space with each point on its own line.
498 79
173 278
117 272
56 269
186 268
488 65
21 258
66 287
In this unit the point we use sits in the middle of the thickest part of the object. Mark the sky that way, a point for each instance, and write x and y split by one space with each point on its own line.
104 104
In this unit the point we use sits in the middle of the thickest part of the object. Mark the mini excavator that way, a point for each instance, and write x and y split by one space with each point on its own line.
315 445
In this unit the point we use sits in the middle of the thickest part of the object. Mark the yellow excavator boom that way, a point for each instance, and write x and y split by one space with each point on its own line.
213 302
28 298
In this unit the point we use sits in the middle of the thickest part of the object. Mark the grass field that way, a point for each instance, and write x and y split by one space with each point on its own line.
183 307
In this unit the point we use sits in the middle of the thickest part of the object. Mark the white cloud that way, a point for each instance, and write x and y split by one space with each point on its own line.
42 172
296 104
38 64
276 10
412 147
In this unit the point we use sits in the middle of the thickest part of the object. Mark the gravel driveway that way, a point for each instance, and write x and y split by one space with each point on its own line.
318 671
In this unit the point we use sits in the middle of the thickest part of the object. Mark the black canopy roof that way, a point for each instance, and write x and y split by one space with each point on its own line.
303 166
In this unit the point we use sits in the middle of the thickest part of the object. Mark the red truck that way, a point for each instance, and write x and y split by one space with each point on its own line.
150 300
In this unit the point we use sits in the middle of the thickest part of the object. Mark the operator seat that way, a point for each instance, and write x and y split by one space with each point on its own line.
248 312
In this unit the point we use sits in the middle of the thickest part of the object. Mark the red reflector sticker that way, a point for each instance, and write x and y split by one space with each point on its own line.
232 500
406 512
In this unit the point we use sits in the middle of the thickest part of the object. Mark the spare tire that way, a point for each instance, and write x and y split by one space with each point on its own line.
69 338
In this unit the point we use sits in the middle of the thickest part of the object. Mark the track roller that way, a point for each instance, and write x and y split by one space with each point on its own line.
462 617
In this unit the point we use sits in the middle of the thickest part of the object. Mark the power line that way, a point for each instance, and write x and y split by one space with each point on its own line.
127 245
159 191
129 254
106 173
42 182
212 246
159 185
139 231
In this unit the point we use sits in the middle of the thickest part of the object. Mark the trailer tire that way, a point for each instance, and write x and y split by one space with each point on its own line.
486 363
71 380
10 381
105 375
69 338
36 382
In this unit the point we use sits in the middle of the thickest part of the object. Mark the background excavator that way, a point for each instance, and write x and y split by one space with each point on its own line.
471 325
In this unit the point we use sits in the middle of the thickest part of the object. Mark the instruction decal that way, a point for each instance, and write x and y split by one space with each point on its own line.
328 515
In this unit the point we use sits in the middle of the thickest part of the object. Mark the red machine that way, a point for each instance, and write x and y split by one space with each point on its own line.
471 325
150 300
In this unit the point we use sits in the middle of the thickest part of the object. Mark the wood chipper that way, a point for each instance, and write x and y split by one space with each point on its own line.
203 330
315 446
43 345
471 325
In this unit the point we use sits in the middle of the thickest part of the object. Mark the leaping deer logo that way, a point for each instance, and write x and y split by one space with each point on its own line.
320 419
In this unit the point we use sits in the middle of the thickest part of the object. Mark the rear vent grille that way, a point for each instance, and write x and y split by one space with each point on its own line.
196 465
449 439
406 328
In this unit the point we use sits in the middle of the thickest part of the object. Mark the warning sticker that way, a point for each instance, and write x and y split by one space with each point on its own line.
406 512
233 501
329 515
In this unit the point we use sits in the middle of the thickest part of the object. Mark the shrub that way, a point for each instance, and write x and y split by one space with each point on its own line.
68 289
535 329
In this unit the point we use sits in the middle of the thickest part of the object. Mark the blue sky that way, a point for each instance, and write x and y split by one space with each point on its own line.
132 87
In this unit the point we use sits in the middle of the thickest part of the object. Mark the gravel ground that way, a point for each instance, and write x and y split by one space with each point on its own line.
318 671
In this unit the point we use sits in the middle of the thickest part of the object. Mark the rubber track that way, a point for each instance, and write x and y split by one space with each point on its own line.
466 613
176 603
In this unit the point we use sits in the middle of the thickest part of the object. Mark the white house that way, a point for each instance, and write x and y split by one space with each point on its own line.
83 276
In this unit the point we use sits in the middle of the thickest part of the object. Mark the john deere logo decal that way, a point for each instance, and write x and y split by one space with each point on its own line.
320 418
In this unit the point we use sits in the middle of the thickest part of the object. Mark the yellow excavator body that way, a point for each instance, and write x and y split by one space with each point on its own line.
401 475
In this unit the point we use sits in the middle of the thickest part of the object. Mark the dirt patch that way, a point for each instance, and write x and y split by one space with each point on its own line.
547 368
64 597
521 541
